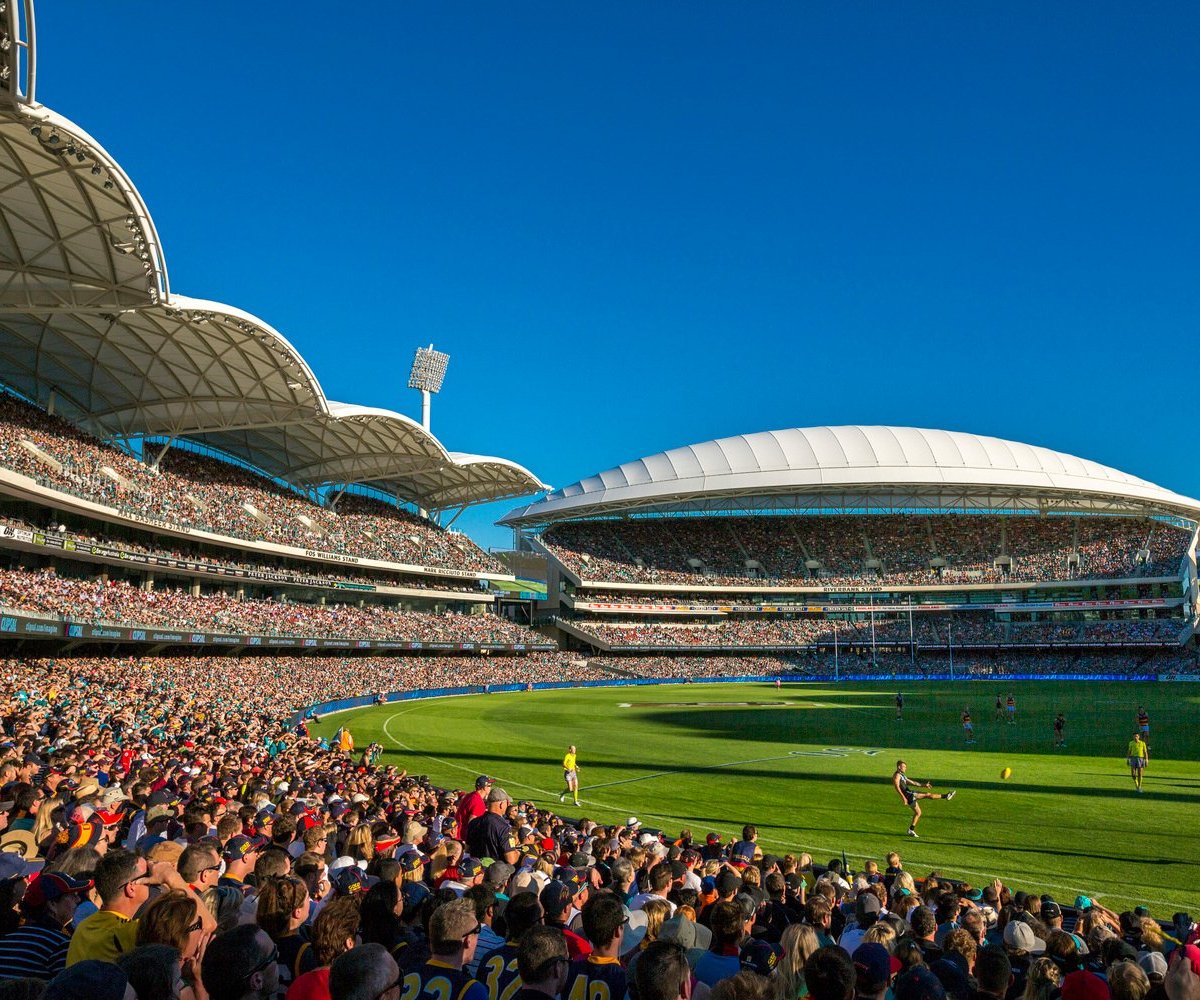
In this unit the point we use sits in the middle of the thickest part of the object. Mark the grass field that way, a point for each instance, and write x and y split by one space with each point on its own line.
712 757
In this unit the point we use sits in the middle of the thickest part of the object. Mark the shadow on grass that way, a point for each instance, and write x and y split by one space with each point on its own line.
494 762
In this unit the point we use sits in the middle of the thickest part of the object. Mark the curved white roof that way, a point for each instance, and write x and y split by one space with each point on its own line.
88 319
854 468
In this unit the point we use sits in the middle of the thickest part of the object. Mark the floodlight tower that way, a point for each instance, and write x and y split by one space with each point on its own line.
428 370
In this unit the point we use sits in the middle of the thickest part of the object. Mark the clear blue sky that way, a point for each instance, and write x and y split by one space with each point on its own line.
637 226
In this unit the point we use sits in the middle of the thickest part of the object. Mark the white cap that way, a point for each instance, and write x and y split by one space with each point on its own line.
633 821
345 861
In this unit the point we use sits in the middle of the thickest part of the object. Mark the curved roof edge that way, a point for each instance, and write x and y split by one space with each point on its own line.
850 468
86 259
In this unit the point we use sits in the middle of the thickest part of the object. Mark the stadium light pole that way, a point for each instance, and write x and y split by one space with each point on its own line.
428 371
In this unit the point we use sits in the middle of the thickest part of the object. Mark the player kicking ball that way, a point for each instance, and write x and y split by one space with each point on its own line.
904 788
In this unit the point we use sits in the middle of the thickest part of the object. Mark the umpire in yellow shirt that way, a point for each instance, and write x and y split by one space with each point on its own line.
570 775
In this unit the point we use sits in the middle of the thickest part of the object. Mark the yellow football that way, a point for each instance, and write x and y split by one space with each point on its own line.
1006 773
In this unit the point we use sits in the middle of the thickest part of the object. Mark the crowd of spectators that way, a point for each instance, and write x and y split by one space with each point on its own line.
822 664
927 630
196 491
182 834
119 603
864 550
225 563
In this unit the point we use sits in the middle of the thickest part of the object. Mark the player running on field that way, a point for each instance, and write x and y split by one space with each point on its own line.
904 788
999 707
1010 706
968 726
570 775
1060 725
1135 757
899 706
1144 727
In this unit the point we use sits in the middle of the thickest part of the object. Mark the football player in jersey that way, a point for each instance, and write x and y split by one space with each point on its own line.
968 726
905 789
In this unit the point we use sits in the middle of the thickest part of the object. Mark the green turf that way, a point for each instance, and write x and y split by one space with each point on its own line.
1067 822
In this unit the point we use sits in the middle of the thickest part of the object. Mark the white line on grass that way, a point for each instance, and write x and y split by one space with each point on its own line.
778 843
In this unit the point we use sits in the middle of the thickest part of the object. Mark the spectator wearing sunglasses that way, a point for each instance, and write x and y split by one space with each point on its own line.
241 964
453 937
182 921
123 881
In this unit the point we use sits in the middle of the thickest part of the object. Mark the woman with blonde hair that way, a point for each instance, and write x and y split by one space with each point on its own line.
1043 980
881 933
657 911
444 856
798 942
360 845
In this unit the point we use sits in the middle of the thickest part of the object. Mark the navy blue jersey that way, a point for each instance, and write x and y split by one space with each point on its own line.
594 978
435 981
498 971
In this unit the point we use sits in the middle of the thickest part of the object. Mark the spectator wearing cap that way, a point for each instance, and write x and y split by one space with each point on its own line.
918 983
14 880
491 835
866 912
240 855
38 949
872 970
453 937
556 911
658 884
473 804
123 881
468 872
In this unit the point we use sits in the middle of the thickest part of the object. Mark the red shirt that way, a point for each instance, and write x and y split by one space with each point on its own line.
311 986
471 806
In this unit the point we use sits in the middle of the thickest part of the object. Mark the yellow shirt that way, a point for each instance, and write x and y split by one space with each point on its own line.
1136 749
569 762
104 935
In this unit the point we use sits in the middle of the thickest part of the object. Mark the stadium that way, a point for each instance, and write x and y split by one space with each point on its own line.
898 545
233 612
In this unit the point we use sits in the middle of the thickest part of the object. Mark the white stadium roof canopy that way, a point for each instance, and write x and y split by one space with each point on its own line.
834 469
88 321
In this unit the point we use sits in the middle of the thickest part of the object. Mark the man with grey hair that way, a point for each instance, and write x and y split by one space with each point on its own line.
491 835
367 972
623 879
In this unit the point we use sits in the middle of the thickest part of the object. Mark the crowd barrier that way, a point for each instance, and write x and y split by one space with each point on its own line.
363 701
